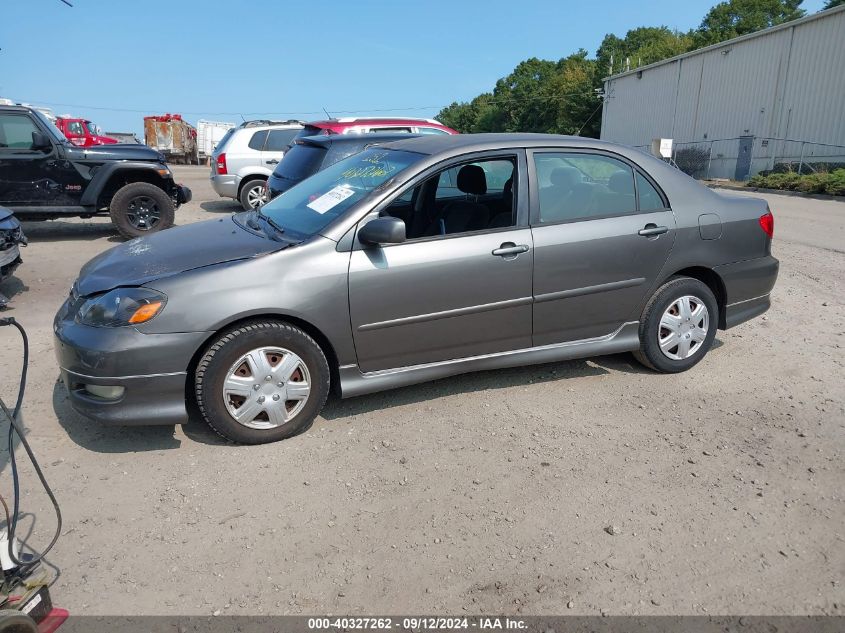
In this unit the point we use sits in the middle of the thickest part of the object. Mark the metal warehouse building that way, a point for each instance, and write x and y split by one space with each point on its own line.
743 105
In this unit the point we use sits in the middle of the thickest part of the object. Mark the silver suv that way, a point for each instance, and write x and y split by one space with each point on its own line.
246 156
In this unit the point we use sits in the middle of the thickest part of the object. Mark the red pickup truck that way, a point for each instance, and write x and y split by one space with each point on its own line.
82 132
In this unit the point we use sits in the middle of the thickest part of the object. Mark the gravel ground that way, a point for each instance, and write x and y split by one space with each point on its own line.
579 487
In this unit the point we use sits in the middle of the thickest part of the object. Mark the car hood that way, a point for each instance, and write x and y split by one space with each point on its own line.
114 151
171 252
7 219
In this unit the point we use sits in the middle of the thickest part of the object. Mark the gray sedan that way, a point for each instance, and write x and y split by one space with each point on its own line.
416 260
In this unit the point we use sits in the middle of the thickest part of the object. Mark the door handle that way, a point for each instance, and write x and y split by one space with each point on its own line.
272 162
652 230
509 249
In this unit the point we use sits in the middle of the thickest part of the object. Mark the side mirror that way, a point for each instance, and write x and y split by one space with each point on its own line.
41 141
386 230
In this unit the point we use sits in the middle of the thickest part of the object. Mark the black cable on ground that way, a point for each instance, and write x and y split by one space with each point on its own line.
15 428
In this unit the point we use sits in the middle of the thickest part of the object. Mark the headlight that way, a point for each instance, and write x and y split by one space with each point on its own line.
120 307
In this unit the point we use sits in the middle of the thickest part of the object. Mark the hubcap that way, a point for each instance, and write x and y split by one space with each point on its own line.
143 213
683 328
255 196
266 388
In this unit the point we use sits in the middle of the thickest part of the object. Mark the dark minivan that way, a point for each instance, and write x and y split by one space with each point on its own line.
311 154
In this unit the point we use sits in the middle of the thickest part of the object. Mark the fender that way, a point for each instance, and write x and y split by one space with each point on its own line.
107 170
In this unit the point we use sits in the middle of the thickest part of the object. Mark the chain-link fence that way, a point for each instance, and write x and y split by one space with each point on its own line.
741 157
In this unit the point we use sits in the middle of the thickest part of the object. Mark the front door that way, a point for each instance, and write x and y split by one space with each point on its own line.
460 286
23 170
602 232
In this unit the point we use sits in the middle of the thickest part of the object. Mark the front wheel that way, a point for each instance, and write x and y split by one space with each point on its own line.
140 208
678 326
262 382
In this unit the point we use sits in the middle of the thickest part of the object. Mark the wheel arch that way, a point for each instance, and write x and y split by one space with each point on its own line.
119 178
307 327
712 280
250 178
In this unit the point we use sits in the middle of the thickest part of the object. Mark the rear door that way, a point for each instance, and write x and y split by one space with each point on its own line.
275 146
602 231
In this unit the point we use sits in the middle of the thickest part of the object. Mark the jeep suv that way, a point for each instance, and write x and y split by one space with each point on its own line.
43 176
246 156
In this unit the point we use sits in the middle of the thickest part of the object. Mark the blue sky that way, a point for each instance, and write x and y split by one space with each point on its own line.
114 61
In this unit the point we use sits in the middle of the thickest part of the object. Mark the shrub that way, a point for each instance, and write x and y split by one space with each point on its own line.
835 185
832 183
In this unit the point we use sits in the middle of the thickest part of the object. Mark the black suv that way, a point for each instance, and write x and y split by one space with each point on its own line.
43 177
310 154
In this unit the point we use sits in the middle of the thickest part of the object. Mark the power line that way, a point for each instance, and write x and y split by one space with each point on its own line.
492 100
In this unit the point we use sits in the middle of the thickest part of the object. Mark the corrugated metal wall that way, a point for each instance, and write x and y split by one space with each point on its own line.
784 83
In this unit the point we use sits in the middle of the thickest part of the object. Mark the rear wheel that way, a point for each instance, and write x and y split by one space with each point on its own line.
262 382
252 194
678 326
140 208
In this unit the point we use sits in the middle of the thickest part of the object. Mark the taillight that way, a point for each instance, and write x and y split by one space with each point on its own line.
767 223
221 164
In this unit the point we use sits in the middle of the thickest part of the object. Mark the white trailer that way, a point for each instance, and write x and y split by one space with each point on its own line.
209 134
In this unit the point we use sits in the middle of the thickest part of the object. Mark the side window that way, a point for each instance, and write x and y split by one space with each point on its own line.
575 186
649 198
257 140
278 140
459 200
16 131
430 130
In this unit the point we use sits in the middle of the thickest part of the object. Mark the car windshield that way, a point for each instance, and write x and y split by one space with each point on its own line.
51 127
92 128
310 206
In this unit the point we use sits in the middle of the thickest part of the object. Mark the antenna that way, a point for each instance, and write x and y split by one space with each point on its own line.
328 116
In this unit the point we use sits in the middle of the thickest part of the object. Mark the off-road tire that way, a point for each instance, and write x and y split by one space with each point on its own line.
213 367
244 195
650 353
119 207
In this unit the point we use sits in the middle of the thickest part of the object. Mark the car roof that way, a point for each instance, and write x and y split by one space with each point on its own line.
14 108
371 120
437 143
324 140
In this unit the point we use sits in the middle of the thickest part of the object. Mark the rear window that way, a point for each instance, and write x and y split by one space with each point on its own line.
278 140
221 144
300 162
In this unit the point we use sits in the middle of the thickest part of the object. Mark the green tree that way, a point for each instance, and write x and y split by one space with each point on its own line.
738 17
641 46
832 3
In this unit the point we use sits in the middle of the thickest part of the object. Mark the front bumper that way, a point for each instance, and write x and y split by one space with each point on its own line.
9 259
225 185
151 368
183 194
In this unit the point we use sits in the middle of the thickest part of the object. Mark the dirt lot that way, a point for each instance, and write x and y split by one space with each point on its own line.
489 492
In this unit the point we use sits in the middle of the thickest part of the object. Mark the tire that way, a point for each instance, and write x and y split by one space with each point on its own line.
234 360
129 200
678 301
248 200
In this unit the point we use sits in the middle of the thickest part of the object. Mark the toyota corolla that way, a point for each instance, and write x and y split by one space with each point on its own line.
419 259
